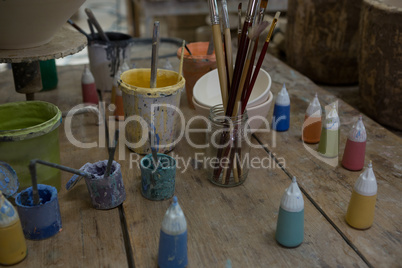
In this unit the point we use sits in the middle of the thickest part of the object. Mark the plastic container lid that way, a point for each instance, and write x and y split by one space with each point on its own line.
283 97
366 184
174 222
8 180
8 214
332 119
358 132
314 108
292 200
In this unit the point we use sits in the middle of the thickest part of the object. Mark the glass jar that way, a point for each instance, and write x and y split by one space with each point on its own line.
228 148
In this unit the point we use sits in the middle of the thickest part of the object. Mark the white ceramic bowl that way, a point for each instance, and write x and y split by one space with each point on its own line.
256 114
31 23
207 92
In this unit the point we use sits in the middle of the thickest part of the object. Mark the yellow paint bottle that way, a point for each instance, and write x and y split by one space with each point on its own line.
13 247
360 214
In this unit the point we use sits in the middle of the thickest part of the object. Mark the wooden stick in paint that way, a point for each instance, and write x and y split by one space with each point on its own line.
111 154
91 16
220 58
181 61
154 60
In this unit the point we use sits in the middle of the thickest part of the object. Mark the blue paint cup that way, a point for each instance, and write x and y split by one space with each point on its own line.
106 192
158 183
39 221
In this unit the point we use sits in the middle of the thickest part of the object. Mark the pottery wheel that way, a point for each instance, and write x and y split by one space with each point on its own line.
66 41
25 62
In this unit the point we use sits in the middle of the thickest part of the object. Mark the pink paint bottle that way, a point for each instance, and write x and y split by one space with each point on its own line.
89 93
355 149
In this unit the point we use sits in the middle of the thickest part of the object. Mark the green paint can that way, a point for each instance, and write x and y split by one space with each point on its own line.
29 130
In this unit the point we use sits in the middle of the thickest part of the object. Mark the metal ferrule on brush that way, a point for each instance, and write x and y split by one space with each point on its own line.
251 10
214 13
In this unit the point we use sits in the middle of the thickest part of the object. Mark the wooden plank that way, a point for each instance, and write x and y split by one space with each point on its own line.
236 224
331 187
89 237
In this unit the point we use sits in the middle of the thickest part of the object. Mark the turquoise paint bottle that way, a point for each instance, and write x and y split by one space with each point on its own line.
290 224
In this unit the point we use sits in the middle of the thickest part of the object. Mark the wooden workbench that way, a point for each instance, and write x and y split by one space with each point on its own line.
227 225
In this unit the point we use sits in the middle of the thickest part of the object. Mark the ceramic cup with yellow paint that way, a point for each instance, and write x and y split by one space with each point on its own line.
157 108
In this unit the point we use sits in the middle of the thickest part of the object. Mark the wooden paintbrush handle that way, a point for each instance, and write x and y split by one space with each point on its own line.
220 62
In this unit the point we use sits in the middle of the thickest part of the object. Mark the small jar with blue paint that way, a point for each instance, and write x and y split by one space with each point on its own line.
43 220
158 181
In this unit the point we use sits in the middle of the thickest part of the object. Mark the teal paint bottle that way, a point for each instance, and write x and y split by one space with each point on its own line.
290 224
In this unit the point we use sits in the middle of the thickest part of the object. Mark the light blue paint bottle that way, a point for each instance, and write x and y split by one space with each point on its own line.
281 117
173 238
290 225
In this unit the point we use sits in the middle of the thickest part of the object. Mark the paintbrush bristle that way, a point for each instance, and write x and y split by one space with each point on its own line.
264 4
277 14
239 6
255 31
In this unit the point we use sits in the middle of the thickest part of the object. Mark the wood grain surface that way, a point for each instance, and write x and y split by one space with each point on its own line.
235 225
331 187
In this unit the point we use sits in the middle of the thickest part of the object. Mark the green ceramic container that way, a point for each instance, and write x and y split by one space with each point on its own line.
29 130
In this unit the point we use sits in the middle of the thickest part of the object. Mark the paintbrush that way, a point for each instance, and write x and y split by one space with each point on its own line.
263 6
79 29
260 60
151 137
103 112
32 170
111 154
154 59
188 50
240 57
228 40
210 49
181 61
91 16
239 24
91 28
220 58
253 34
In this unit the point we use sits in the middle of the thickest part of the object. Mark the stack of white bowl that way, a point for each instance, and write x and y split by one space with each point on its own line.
206 94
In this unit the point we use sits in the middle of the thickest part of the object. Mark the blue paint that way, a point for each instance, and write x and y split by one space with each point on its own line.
8 180
159 183
290 228
172 250
39 221
281 118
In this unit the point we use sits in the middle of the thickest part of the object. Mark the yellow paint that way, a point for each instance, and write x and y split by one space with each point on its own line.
138 96
13 248
360 214
138 81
